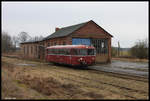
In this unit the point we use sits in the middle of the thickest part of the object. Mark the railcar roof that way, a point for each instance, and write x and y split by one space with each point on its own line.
71 46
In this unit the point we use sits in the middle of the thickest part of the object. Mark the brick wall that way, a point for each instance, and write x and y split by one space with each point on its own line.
59 41
29 50
91 30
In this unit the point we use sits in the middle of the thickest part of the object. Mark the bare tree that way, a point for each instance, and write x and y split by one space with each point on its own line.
6 42
15 40
24 36
37 38
41 37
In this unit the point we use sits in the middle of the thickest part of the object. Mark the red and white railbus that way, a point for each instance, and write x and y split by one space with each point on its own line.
71 54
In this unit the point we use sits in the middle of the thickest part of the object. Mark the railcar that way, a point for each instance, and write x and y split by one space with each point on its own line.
75 55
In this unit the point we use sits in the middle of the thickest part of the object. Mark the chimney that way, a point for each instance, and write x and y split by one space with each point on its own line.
56 29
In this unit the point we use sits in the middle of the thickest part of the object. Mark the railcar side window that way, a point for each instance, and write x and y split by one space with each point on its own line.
74 52
90 51
82 52
67 51
53 50
56 51
61 51
49 51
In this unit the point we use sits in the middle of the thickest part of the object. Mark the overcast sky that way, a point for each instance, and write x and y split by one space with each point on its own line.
126 21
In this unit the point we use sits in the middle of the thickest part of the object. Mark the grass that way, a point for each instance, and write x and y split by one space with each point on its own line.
60 82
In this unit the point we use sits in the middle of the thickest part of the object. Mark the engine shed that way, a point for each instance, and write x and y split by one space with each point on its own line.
87 33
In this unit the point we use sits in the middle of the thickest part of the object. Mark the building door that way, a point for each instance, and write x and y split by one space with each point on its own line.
41 52
81 41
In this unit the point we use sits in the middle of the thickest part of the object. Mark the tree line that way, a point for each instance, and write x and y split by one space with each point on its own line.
139 50
10 43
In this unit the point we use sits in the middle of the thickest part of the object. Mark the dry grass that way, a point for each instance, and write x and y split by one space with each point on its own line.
60 82
11 89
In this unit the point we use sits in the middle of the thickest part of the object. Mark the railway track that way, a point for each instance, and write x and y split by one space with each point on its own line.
112 73
96 86
94 80
122 75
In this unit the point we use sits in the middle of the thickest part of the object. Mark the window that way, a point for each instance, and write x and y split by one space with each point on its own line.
24 49
91 52
27 49
31 49
36 50
50 51
101 45
48 44
82 51
74 52
55 43
67 51
64 43
56 51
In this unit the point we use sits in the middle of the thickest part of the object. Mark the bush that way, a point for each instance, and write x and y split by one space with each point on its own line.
140 49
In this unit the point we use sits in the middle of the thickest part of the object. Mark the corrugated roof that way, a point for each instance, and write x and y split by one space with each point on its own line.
65 31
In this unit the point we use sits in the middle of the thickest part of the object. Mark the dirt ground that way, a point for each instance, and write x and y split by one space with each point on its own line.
24 79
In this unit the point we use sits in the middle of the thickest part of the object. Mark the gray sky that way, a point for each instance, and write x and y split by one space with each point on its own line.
126 21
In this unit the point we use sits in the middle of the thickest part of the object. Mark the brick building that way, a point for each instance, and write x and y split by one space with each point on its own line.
88 33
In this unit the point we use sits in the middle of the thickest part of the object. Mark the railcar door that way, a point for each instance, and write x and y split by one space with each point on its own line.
74 57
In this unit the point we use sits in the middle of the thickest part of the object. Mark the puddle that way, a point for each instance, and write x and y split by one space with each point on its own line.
23 64
124 64
135 68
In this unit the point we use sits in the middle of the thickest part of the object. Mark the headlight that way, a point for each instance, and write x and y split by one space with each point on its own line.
93 58
80 59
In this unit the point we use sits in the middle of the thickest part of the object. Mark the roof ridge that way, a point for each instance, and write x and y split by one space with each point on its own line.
75 24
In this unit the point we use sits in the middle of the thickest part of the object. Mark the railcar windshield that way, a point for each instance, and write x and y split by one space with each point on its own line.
83 52
91 52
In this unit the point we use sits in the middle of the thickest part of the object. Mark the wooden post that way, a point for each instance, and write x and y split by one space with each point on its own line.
109 50
118 49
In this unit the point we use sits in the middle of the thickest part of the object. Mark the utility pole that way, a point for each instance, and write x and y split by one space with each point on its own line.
118 49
